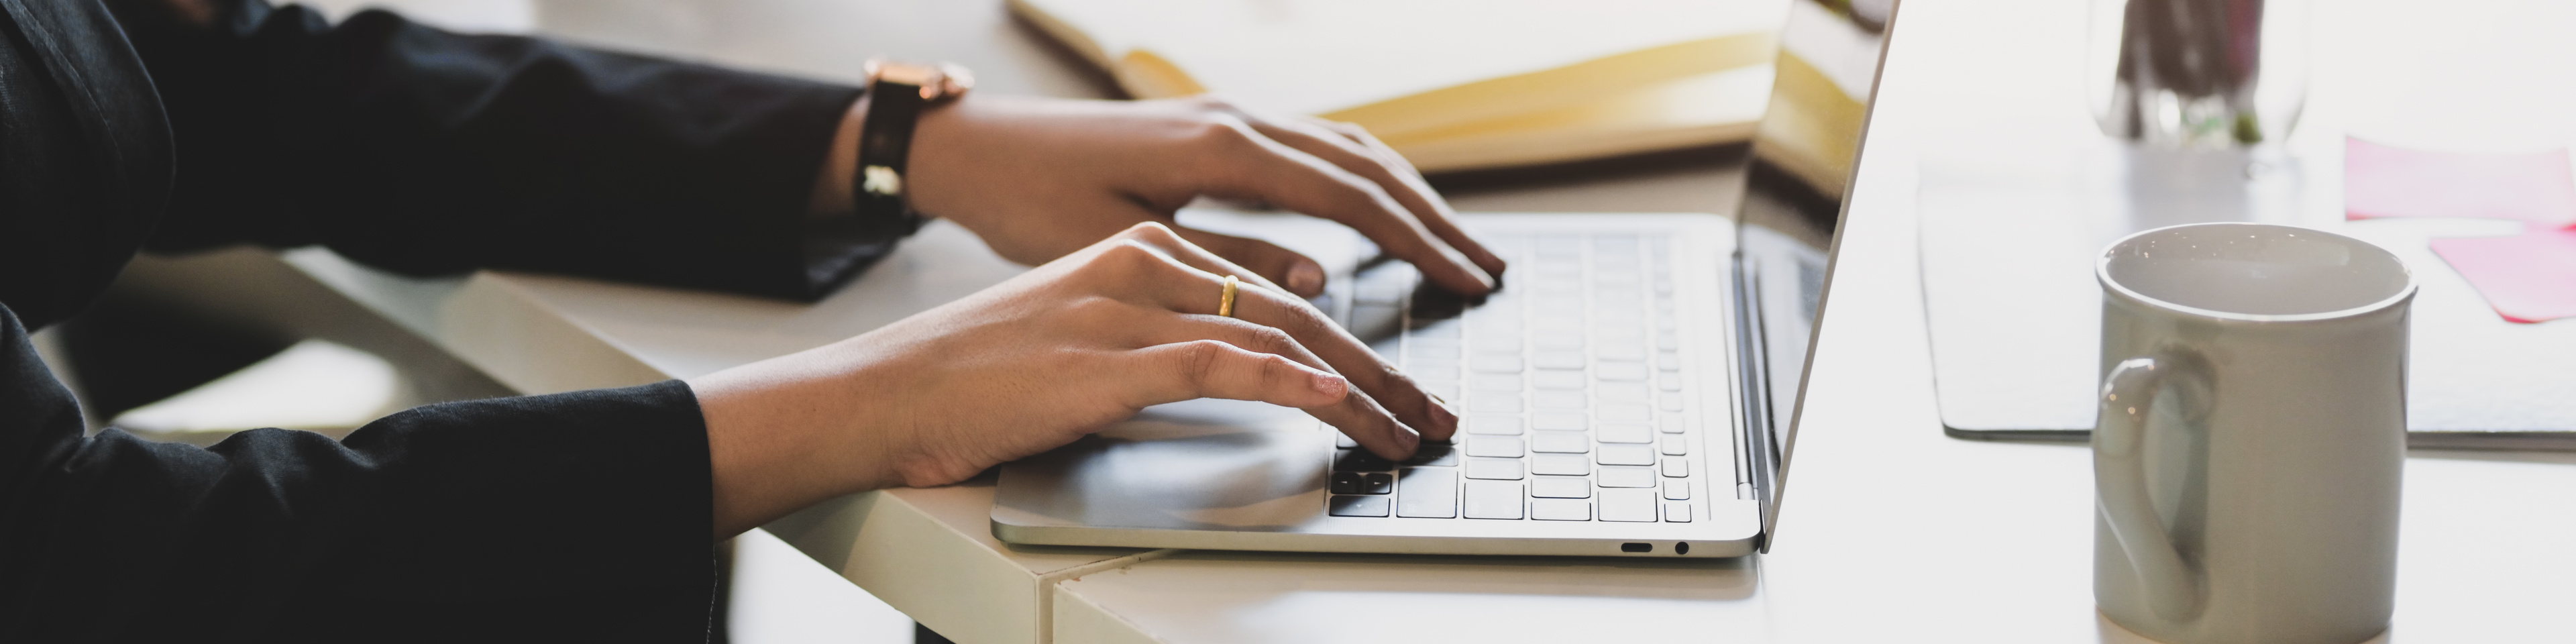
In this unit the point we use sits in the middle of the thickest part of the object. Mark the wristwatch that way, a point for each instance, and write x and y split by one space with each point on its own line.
897 94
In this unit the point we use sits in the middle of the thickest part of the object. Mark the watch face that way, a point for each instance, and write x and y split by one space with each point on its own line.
936 81
906 73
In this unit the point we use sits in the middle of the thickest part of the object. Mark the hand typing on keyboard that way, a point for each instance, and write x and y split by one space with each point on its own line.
1037 362
1572 386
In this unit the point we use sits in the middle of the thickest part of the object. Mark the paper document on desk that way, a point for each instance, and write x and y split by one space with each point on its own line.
1452 84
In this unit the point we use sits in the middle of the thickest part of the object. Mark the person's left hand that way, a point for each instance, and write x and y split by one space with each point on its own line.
1039 178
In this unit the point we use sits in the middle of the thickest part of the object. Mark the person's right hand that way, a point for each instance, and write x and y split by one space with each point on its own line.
1037 362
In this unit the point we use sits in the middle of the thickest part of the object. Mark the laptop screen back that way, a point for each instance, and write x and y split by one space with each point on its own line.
1797 191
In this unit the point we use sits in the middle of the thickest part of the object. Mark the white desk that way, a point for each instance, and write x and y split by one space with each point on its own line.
1890 531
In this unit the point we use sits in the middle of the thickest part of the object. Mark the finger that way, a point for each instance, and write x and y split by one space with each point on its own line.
1359 415
1168 329
1249 165
1354 149
1174 247
1180 276
1214 369
1281 266
1389 387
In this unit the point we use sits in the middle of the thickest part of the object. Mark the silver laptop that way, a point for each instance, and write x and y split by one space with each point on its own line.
1631 391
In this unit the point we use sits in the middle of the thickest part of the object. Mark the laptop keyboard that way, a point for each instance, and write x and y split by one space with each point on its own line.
1569 386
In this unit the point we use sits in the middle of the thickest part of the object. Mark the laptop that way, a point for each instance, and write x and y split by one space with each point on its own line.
1632 390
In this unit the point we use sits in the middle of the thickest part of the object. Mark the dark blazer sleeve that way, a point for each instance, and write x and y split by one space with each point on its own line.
573 517
427 152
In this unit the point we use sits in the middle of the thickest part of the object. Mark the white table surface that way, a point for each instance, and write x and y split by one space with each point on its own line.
1890 531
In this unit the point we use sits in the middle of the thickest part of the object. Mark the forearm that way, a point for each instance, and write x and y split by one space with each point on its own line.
429 152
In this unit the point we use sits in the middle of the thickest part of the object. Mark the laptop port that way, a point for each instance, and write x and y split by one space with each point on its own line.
1636 547
1681 547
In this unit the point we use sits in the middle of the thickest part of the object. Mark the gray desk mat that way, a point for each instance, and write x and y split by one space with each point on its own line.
2015 313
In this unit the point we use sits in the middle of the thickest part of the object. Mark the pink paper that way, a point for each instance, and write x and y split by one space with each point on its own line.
2382 181
2529 277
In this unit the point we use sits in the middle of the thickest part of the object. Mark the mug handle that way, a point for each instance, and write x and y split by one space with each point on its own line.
2120 480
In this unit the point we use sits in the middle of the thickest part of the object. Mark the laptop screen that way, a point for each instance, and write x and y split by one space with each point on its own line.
1797 191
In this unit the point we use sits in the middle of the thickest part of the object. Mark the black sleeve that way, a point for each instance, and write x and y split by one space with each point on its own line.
573 517
427 152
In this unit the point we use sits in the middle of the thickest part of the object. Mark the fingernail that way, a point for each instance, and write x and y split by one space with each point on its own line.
1410 439
1442 416
1332 385
1305 278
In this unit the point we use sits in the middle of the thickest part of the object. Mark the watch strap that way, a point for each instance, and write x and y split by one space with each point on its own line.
885 143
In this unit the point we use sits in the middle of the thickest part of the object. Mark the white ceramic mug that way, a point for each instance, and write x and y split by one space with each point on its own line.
2252 433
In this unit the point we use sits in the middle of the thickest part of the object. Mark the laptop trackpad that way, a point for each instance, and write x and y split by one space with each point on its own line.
1197 465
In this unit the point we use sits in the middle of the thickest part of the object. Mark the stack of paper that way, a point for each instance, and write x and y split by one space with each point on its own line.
2529 277
1452 84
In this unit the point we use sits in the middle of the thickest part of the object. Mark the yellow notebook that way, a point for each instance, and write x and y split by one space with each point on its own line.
1452 84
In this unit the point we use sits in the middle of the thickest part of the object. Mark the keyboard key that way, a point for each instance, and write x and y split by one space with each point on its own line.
1676 489
1624 433
1558 380
1496 402
1562 443
1620 372
1493 499
1668 341
1434 454
1360 460
1621 392
1567 422
1348 483
1627 477
1669 402
1676 468
1428 493
1561 487
1669 422
1560 509
1359 506
1673 446
1559 342
1495 382
1620 352
1668 361
1494 447
1377 483
1637 506
1669 382
1676 512
1628 412
1626 455
1494 363
1498 469
1562 360
1494 425
1558 400
1560 464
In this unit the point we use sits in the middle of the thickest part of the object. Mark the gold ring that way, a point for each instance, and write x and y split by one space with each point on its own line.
1225 302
